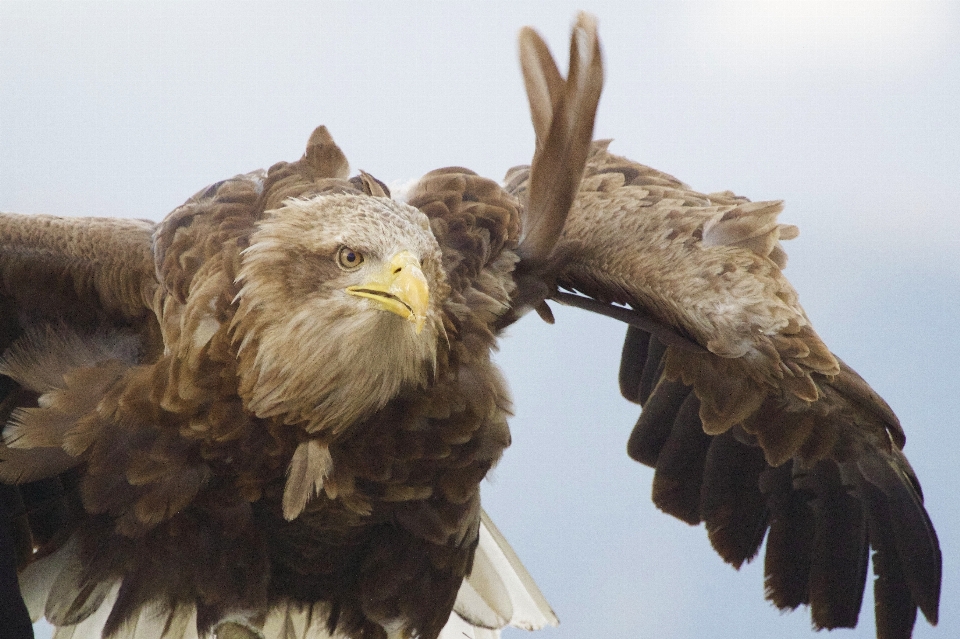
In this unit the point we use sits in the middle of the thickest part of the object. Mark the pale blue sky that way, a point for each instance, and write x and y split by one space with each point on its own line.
847 110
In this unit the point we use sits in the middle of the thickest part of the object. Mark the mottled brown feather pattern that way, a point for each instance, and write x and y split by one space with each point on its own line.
710 267
645 239
208 427
174 464
56 265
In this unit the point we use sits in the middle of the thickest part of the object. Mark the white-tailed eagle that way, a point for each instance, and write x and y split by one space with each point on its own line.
269 415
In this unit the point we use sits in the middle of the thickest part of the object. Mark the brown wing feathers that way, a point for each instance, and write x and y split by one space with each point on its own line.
67 266
563 116
95 274
732 508
751 423
823 480
819 521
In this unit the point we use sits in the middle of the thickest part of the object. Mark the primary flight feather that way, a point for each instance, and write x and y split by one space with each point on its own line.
269 415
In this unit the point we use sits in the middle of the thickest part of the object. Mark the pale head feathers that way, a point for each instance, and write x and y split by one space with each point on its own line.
311 353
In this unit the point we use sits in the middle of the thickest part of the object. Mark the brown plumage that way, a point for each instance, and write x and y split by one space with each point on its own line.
270 413
749 420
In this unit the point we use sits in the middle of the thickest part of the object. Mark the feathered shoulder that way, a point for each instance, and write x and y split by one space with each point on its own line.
477 225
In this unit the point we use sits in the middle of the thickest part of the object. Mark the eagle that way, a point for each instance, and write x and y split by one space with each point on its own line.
269 415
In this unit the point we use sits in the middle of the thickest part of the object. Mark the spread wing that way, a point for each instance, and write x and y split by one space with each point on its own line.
62 278
753 426
96 275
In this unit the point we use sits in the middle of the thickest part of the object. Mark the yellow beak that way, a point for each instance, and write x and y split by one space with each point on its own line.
400 288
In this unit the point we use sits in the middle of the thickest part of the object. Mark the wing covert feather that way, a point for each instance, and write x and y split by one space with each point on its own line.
563 131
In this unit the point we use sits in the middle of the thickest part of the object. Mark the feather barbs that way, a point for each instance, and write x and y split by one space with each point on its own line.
310 465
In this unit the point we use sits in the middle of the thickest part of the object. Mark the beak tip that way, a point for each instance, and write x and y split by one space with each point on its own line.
400 288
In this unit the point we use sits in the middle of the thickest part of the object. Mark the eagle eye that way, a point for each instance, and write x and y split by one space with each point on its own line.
348 259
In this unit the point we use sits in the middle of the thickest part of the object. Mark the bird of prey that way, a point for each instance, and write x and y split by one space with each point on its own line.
269 415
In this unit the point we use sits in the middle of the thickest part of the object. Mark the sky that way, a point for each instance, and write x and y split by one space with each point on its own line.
849 111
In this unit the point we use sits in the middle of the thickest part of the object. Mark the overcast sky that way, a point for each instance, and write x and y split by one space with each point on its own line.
847 110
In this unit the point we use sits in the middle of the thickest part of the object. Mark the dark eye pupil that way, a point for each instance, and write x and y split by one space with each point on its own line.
348 258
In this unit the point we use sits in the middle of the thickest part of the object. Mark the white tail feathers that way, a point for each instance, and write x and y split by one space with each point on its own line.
92 626
499 591
457 628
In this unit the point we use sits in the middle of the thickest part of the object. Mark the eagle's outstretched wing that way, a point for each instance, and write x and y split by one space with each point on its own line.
98 275
751 423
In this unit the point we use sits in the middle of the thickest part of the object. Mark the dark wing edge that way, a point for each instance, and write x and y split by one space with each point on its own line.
819 519
771 437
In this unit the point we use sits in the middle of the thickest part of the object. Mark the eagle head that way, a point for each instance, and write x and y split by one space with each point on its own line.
339 308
